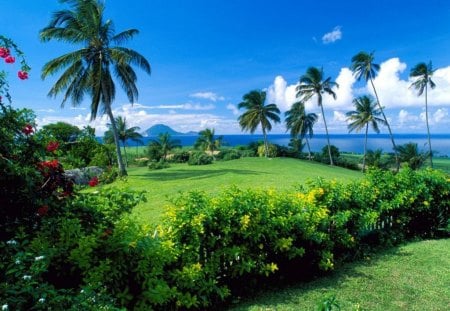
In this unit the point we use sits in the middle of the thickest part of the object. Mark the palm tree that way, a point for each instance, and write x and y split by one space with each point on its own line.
90 69
312 83
164 144
125 133
258 113
300 123
410 153
364 67
422 73
366 113
207 141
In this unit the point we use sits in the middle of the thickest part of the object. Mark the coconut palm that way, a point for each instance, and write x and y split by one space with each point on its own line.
410 154
366 113
207 142
300 123
90 70
422 74
312 83
258 114
364 67
163 145
125 133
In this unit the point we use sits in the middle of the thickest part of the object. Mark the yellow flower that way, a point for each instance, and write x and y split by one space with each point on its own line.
245 220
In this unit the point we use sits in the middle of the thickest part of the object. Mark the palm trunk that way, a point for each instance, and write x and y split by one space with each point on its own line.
122 169
309 149
326 131
397 161
266 146
125 154
428 126
365 149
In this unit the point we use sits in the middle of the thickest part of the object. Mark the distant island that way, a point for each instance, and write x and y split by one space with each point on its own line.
157 129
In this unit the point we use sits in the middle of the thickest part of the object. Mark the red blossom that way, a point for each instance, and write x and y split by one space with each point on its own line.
43 210
52 146
94 181
23 75
50 164
28 129
4 52
10 59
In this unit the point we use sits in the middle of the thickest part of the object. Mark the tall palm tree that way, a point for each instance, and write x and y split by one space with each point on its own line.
422 73
257 113
312 83
300 123
207 141
90 69
164 144
364 67
366 113
125 133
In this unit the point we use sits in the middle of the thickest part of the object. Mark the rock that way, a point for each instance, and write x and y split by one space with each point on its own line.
82 176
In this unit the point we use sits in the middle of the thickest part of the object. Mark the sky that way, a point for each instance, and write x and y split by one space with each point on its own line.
206 54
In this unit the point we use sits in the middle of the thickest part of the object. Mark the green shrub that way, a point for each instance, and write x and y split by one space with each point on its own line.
200 158
180 156
229 154
158 165
272 151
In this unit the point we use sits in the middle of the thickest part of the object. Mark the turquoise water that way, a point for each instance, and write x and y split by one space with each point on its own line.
345 142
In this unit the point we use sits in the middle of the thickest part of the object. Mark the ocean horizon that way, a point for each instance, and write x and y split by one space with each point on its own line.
352 143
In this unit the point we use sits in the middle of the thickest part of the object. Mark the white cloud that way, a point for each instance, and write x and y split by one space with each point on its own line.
281 94
233 109
332 36
186 106
404 117
339 116
207 95
441 116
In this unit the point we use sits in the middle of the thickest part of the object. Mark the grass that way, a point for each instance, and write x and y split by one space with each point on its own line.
415 276
278 173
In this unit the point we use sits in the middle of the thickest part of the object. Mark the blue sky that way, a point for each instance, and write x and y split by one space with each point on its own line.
206 55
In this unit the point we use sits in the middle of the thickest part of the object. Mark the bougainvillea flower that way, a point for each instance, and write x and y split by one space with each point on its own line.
43 210
52 146
28 129
50 164
94 181
4 52
23 75
10 59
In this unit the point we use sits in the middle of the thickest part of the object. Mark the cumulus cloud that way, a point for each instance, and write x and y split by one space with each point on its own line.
233 109
332 36
207 95
186 106
281 94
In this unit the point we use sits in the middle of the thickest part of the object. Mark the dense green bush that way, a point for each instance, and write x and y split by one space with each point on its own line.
158 165
229 154
272 151
180 156
200 158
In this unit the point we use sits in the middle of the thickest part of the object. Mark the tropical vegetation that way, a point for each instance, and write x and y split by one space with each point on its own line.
91 70
258 114
422 74
366 113
313 83
207 141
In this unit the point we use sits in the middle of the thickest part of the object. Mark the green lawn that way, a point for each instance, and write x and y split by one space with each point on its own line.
278 173
412 277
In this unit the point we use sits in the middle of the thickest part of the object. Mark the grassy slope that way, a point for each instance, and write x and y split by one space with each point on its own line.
412 277
278 173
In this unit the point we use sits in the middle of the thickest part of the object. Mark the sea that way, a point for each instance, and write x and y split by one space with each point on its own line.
351 143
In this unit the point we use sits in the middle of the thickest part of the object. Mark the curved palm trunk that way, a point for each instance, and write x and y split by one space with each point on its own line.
122 169
428 126
309 148
397 161
326 131
365 149
266 145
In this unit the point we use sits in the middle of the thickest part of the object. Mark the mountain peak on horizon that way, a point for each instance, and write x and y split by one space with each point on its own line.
157 129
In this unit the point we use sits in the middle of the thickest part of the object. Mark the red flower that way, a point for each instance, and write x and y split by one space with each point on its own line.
4 52
94 181
52 146
23 75
50 164
28 129
43 210
10 59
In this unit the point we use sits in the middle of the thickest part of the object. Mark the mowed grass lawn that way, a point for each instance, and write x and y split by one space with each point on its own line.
415 276
277 173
